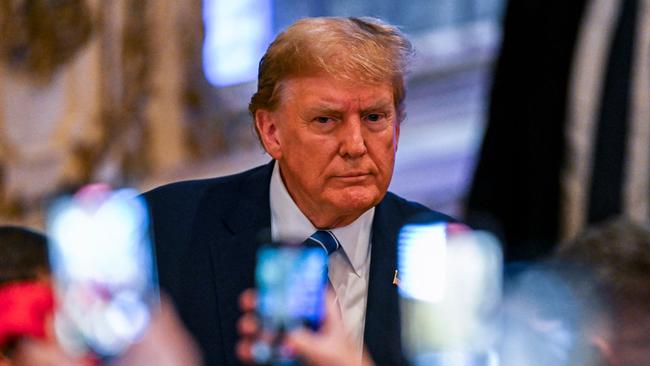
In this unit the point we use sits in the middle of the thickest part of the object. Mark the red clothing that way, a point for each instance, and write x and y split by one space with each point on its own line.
24 310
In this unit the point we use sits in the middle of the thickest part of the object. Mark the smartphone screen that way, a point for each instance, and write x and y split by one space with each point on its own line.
291 283
103 269
450 289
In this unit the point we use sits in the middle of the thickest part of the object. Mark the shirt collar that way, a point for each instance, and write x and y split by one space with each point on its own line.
290 224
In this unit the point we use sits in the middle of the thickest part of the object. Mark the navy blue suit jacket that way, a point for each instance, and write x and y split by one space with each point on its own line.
207 233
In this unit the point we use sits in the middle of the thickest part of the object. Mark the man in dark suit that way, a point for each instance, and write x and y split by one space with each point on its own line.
327 110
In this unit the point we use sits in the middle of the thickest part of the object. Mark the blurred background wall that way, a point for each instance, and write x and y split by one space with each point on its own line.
143 92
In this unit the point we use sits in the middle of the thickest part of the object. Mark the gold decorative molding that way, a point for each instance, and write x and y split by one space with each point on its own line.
39 36
123 98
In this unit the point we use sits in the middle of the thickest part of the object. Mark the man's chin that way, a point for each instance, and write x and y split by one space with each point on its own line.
356 199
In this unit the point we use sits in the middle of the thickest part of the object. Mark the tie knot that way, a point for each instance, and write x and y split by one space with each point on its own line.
323 239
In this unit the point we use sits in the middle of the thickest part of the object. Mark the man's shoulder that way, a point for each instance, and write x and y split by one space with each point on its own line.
407 209
191 191
175 206
182 211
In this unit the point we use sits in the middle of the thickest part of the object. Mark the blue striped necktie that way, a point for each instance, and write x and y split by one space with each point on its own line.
323 239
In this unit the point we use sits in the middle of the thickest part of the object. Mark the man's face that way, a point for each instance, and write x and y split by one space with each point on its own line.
335 142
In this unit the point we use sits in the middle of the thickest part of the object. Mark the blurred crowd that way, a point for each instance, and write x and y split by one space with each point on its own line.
587 304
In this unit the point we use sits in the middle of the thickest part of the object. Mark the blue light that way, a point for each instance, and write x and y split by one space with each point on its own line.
236 36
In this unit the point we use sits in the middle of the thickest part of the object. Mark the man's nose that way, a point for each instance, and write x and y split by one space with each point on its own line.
353 144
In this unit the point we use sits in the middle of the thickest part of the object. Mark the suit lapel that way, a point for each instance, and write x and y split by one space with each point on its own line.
382 328
233 239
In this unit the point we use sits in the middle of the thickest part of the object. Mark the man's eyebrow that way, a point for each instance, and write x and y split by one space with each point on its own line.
379 104
325 109
332 108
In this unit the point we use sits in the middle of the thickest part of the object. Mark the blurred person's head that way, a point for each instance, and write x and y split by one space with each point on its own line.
328 106
23 254
617 254
589 304
545 321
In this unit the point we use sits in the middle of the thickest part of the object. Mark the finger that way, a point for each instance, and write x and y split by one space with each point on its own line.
304 343
319 350
247 325
298 337
248 300
330 296
244 351
457 228
332 317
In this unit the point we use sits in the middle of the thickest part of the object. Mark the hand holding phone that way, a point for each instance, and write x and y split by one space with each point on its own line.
291 284
103 269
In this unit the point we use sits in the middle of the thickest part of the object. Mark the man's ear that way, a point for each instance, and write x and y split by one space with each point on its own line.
267 127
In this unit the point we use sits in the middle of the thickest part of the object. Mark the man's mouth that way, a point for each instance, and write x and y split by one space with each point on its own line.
353 177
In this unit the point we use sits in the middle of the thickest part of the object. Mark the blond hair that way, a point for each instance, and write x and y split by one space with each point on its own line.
355 49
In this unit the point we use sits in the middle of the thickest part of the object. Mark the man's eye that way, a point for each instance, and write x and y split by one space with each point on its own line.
322 119
374 117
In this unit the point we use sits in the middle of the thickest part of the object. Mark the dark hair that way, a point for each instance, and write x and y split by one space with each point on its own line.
617 251
23 254
617 254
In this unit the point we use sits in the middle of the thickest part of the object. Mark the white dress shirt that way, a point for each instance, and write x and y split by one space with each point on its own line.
348 267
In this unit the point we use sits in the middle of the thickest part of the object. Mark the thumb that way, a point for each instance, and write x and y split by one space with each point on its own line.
303 342
309 347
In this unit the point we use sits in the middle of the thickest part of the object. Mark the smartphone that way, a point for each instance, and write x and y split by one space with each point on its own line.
291 283
450 290
103 269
